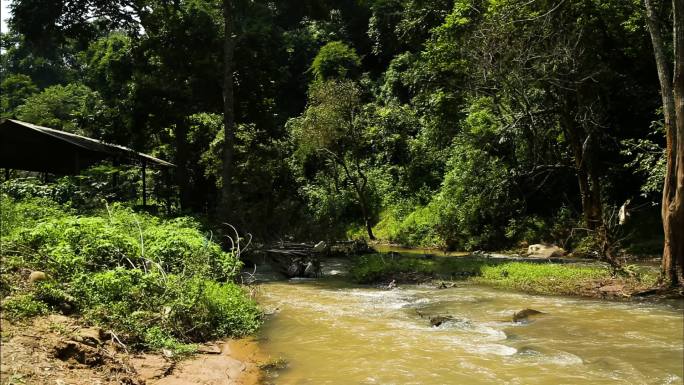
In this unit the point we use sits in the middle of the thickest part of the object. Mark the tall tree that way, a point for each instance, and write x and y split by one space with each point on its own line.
330 126
672 93
224 209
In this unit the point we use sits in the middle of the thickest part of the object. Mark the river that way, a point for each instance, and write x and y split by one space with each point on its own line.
333 332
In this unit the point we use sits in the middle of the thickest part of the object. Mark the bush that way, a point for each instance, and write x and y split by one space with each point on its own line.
418 228
474 205
158 284
180 309
23 306
66 244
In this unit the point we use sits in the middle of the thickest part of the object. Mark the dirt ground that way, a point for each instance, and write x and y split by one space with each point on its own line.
57 350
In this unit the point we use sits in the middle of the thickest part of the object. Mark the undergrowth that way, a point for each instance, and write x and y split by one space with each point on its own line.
155 283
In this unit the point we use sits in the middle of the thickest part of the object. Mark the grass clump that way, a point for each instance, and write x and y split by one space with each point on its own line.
541 278
538 278
377 268
156 283
23 306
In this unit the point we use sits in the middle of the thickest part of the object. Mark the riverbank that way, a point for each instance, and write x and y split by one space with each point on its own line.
535 277
84 294
58 349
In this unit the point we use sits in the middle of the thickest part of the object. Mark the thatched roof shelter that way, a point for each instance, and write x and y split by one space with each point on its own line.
26 146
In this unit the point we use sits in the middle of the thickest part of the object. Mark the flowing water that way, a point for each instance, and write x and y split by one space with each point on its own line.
332 332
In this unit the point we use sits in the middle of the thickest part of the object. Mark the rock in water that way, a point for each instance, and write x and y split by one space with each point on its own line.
37 276
446 285
436 321
311 270
540 250
525 314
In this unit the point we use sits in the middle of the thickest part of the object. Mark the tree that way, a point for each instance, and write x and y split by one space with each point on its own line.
228 111
73 108
335 60
672 94
14 90
330 125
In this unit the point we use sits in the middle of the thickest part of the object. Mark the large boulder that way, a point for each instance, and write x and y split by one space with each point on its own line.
542 250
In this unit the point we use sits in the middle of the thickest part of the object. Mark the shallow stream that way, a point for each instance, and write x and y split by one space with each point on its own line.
332 332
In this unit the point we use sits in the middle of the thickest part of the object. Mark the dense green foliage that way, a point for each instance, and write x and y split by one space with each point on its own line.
460 124
157 283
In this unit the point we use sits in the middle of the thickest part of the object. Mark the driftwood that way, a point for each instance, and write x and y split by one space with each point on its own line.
294 259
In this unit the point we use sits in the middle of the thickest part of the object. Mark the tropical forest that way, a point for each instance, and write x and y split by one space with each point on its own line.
281 192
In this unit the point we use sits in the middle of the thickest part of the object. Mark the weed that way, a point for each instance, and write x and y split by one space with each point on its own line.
23 306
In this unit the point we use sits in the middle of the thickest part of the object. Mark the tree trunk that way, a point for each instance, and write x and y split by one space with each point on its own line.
366 217
360 192
225 207
588 181
672 94
181 171
674 248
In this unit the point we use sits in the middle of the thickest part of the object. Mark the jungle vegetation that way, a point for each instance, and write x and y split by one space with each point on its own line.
459 124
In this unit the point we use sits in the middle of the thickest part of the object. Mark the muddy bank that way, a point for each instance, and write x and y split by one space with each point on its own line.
58 350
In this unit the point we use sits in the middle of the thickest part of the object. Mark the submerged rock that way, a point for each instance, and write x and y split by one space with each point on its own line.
437 321
446 285
525 314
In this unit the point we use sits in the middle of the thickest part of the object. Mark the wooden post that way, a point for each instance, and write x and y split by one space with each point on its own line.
167 190
7 173
144 182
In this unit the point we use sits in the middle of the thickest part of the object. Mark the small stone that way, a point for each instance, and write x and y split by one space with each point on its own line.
612 289
89 336
37 276
209 349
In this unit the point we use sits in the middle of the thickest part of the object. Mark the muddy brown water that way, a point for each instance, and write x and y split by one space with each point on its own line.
332 332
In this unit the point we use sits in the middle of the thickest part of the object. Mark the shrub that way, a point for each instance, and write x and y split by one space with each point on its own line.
474 205
158 284
66 244
180 309
23 306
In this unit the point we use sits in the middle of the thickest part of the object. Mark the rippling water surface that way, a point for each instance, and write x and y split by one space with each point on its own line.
335 333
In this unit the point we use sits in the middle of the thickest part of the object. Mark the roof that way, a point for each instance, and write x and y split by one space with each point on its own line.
27 146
